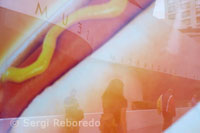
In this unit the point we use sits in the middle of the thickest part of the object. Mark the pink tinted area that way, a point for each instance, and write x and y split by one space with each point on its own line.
97 32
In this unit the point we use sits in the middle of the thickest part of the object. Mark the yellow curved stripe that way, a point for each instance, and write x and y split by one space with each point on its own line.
111 9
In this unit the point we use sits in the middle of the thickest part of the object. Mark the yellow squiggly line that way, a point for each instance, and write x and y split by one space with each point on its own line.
111 9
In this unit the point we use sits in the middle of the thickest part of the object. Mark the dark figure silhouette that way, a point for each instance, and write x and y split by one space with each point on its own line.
166 105
73 113
113 119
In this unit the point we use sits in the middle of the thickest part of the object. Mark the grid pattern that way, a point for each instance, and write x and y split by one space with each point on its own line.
187 12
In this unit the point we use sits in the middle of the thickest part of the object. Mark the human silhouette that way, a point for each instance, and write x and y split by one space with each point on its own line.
113 119
73 113
166 106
